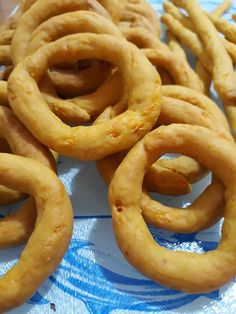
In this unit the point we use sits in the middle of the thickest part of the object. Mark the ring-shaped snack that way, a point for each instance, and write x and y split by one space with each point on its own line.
65 24
49 240
185 271
40 12
141 81
168 176
16 228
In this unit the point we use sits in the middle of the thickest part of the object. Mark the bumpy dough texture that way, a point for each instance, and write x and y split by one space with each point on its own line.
190 272
49 240
94 142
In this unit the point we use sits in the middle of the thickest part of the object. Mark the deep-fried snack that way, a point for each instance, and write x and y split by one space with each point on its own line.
3 94
182 74
171 9
188 38
198 100
205 77
142 38
49 240
82 109
231 48
5 55
168 59
202 213
166 78
70 23
177 270
234 16
222 68
224 27
175 46
223 7
16 228
6 37
90 142
165 175
74 110
71 83
144 9
41 11
140 14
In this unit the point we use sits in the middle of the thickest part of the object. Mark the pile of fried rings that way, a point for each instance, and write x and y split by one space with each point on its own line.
93 81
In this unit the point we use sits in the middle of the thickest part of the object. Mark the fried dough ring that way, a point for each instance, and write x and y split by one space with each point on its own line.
189 272
83 108
144 9
93 142
59 26
196 99
49 240
72 83
113 8
173 168
16 228
41 11
143 39
177 172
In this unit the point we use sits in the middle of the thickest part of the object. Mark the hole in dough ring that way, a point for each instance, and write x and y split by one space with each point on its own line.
189 272
49 240
94 142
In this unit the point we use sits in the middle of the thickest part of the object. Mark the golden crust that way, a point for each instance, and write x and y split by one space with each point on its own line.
144 97
189 272
49 240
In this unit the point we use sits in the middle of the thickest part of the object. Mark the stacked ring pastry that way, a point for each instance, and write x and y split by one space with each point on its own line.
94 80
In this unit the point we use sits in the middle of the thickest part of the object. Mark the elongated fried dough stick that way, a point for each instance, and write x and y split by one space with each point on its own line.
231 48
171 9
204 76
224 27
222 70
175 46
222 8
188 38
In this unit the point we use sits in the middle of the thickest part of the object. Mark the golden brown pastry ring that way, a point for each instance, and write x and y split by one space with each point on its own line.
40 12
189 272
49 240
92 142
78 109
160 177
16 228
